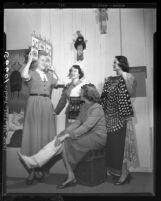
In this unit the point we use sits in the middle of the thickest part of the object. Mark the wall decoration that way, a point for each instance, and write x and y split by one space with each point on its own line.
140 74
38 43
80 45
102 19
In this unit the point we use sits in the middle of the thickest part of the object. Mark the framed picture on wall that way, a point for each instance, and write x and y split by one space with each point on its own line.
140 75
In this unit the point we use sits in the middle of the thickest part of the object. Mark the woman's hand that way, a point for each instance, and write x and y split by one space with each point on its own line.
62 138
57 142
30 57
51 68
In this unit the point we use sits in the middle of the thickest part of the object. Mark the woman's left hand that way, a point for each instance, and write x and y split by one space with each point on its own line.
51 68
62 138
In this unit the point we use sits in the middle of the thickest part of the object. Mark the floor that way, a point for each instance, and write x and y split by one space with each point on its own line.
141 183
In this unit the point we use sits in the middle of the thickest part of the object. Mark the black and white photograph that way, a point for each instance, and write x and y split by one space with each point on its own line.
79 113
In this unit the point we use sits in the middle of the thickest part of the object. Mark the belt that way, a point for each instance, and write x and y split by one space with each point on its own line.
44 95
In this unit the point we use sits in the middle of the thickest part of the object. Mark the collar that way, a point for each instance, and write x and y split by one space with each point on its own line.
75 84
42 75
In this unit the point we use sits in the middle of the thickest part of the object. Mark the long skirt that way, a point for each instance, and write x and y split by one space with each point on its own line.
39 126
115 150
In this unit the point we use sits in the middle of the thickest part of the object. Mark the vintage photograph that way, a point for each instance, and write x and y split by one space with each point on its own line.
79 94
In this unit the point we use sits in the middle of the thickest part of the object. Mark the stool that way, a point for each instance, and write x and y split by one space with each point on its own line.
92 168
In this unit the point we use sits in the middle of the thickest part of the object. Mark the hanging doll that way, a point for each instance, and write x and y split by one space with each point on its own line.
103 18
80 45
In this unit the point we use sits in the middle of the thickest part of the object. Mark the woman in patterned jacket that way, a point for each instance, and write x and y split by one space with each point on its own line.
116 101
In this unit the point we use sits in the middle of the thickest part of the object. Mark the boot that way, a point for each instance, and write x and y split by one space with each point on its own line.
29 162
43 156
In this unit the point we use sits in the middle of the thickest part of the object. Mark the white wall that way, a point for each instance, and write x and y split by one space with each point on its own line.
131 35
19 25
138 27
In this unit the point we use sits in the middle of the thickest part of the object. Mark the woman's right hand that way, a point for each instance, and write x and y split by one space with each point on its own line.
30 57
57 142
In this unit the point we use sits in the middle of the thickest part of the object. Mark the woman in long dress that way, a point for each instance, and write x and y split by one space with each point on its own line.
88 132
39 126
121 149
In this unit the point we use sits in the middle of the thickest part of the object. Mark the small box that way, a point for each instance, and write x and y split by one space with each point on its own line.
92 169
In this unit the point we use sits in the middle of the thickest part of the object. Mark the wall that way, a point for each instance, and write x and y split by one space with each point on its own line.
19 25
137 45
130 32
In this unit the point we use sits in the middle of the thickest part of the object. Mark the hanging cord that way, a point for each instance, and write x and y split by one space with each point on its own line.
120 31
144 37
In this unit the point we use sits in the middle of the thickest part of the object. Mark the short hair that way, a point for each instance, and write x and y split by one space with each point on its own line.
91 93
123 63
81 73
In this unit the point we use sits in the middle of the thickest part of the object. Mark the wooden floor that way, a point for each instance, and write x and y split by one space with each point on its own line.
141 183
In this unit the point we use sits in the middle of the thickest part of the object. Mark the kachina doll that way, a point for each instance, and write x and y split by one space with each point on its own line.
80 45
103 18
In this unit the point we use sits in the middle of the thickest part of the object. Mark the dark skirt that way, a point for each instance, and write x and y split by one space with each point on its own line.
115 150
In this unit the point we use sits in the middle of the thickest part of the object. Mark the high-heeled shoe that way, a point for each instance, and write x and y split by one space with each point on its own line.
39 176
125 181
114 177
30 178
72 182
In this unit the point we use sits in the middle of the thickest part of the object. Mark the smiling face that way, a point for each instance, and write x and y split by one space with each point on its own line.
74 74
41 62
116 66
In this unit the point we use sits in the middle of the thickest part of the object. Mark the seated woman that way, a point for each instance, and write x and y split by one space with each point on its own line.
88 132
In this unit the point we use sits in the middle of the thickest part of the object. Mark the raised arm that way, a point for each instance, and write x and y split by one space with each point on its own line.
25 72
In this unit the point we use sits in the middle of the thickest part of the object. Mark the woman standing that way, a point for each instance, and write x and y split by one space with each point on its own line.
121 143
39 126
71 94
88 132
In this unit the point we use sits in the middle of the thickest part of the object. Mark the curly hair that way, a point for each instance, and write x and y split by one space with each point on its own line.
81 73
91 93
123 63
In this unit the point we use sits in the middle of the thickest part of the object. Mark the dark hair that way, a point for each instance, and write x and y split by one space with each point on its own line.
81 73
123 63
91 93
